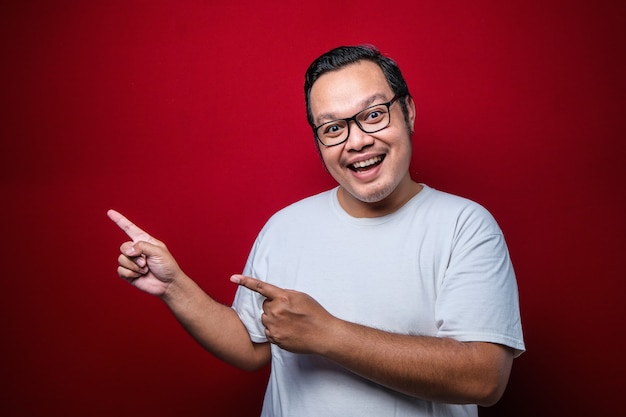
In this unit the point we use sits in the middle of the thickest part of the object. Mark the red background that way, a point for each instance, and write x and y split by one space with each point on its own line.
188 117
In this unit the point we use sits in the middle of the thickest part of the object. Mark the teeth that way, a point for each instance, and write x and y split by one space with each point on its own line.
368 162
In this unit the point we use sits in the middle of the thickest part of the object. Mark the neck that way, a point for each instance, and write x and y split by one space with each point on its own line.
406 190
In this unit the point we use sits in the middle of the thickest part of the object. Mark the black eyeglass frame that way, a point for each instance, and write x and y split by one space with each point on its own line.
349 119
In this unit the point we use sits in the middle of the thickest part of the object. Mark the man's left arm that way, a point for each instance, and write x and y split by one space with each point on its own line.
431 368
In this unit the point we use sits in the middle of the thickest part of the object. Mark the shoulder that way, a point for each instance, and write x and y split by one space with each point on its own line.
445 199
313 203
460 210
305 211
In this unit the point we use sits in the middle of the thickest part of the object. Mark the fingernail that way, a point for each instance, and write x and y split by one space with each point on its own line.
236 279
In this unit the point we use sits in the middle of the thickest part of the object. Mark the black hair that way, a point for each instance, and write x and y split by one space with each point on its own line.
345 55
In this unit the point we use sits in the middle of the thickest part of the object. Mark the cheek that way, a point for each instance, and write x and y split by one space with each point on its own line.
329 158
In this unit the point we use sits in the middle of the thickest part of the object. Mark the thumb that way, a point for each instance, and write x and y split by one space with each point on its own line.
141 248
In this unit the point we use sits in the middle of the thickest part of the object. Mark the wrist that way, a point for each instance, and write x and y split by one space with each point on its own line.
333 335
176 288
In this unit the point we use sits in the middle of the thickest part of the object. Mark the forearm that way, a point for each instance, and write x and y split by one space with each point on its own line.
215 326
435 369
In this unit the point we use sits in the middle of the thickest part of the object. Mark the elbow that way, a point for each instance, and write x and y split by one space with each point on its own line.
484 392
490 396
491 389
256 359
251 366
492 384
248 364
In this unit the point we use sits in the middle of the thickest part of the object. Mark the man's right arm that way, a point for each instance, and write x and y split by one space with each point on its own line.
215 326
147 264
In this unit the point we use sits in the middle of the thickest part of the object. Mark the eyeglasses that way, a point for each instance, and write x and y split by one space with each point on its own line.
370 120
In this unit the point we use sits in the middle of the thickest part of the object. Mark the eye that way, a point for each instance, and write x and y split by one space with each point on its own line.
373 115
332 129
376 114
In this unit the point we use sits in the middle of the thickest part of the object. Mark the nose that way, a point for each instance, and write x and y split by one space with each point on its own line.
358 139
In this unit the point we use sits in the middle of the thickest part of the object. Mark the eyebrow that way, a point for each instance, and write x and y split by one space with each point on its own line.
363 104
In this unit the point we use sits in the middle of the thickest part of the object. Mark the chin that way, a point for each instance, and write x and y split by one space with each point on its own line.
373 196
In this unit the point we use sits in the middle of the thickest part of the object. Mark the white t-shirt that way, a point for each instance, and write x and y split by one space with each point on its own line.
439 266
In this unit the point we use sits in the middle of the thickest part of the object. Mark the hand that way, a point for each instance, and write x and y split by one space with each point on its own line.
293 320
145 262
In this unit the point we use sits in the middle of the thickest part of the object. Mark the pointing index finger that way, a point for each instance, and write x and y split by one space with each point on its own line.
269 291
134 232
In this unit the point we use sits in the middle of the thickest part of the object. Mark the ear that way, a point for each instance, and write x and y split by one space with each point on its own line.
411 113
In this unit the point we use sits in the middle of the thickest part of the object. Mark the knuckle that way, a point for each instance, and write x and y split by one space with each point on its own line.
125 273
283 298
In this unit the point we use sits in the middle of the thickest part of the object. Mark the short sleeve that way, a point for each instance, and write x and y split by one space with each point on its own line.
249 304
478 299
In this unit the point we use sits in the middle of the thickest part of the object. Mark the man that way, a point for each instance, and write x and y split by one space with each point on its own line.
380 297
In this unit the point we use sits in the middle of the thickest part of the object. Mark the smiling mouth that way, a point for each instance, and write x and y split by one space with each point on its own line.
367 164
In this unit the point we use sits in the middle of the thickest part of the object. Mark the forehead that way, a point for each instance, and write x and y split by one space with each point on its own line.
345 91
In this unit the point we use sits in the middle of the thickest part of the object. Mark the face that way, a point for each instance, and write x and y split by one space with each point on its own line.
372 169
